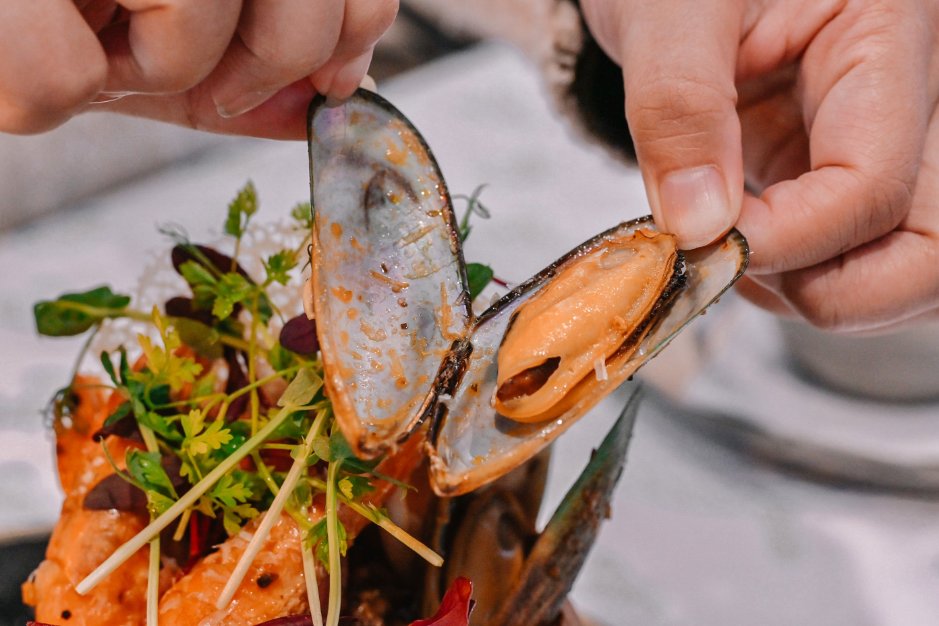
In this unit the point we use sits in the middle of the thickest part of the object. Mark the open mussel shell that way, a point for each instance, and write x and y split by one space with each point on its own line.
473 444
387 269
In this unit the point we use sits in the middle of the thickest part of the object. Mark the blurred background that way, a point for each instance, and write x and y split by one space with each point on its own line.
777 475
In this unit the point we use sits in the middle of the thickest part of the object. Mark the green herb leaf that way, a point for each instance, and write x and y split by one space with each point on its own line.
279 357
473 206
145 468
301 389
232 289
478 276
202 338
109 368
155 422
119 413
318 537
233 518
339 448
303 215
278 266
240 210
354 487
196 274
230 491
74 313
201 439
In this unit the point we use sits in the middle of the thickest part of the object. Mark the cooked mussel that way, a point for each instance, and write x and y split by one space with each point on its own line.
400 344
586 321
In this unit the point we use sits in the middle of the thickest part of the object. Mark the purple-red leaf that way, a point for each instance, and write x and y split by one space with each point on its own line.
113 492
299 335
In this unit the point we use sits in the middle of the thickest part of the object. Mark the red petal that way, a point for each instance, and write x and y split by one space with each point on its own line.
456 606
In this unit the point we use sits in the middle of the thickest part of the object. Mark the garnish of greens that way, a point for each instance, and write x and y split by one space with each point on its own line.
216 450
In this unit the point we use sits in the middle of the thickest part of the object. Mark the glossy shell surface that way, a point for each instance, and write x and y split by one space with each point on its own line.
589 317
474 444
388 275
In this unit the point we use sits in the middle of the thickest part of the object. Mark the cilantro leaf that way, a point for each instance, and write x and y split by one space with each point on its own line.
318 536
201 439
74 313
354 487
478 276
164 366
230 491
241 209
278 266
234 517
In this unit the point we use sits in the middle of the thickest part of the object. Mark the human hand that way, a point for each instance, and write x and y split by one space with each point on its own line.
227 66
826 110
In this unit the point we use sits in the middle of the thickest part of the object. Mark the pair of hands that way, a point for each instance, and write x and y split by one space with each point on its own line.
822 108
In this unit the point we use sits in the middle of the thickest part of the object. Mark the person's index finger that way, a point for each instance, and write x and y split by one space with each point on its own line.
167 46
679 60
867 104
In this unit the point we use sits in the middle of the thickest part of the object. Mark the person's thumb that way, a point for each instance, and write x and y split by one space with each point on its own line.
678 59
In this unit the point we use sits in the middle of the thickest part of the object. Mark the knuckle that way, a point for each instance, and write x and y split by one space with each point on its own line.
885 200
51 99
810 292
664 108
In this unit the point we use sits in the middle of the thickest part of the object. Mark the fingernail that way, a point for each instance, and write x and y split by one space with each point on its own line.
368 83
695 205
235 104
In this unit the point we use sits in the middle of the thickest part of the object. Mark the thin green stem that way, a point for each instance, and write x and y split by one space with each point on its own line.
265 472
332 537
385 524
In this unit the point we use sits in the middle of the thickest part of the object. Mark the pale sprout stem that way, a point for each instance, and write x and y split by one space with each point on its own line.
187 500
388 526
332 536
312 588
261 534
183 524
153 583
410 541
599 367
153 569
270 517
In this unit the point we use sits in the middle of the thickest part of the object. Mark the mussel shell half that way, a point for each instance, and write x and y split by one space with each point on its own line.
473 444
388 275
